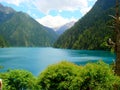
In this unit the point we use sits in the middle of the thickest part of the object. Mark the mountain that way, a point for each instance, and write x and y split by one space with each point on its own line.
92 30
63 28
19 29
5 13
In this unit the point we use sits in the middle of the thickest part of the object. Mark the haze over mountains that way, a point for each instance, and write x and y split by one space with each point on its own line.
63 28
19 29
92 30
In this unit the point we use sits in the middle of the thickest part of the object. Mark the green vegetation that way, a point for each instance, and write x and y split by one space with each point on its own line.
58 76
97 76
19 29
92 30
63 76
3 43
18 80
67 76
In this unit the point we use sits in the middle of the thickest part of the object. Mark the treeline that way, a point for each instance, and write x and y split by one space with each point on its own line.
25 33
3 42
92 31
63 76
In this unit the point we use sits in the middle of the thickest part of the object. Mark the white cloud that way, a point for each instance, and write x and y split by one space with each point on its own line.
15 2
85 10
54 21
46 6
92 0
67 5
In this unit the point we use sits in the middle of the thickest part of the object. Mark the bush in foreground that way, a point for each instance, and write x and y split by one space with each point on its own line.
64 76
58 76
18 80
97 76
68 76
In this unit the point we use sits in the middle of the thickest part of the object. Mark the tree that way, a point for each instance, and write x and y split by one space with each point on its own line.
117 39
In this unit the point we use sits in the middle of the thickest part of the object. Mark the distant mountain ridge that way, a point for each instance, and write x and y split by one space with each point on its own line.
63 28
5 13
6 10
92 30
19 29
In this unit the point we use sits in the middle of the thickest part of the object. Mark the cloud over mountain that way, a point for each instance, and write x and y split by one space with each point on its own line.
54 21
46 6
52 13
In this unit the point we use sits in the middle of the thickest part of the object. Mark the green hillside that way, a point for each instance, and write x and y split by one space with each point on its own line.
91 31
3 42
22 30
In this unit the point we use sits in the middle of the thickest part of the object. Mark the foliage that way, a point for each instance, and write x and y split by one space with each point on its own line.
19 29
97 76
67 76
18 80
3 42
64 76
58 76
91 30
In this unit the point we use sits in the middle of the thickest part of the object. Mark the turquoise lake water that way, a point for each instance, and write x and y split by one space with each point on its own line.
36 60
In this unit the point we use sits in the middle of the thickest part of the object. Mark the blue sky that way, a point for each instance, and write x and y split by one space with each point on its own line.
52 13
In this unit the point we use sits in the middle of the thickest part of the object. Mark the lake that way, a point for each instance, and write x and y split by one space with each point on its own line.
36 60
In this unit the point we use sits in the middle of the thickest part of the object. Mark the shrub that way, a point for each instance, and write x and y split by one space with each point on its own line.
58 76
64 76
67 76
97 76
18 80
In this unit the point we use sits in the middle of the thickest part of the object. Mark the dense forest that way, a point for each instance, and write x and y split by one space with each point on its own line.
3 42
19 29
92 31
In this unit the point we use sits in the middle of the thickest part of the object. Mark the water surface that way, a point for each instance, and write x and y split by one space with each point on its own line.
37 59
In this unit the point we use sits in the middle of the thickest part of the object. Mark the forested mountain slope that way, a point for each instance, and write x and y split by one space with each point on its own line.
92 30
19 29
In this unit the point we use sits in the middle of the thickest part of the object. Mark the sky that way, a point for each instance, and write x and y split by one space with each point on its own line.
52 13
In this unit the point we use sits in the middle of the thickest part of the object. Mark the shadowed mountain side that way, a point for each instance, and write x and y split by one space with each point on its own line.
19 29
92 30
